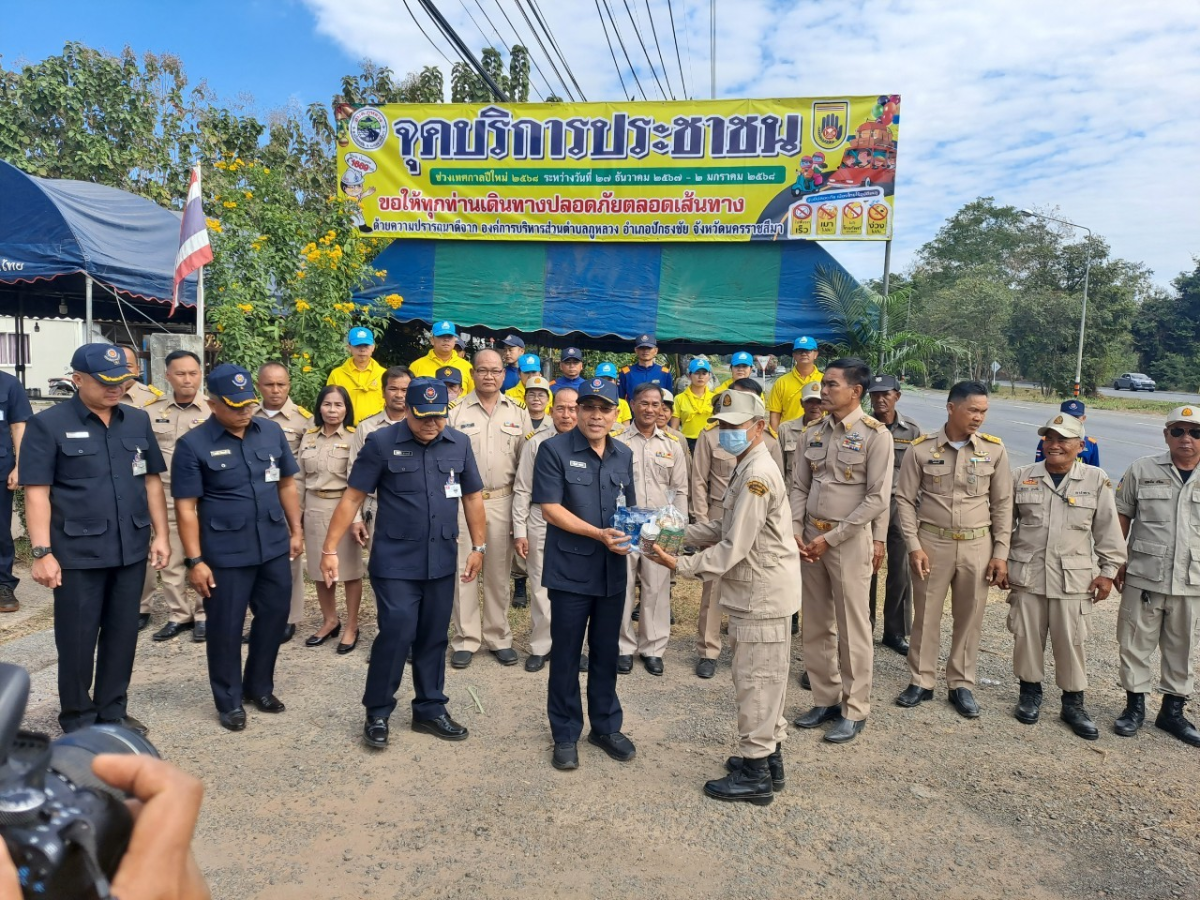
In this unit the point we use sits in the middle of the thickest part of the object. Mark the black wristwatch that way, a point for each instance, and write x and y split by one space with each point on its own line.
192 561
39 552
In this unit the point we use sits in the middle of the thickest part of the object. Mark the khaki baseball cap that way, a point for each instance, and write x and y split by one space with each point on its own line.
738 408
537 383
811 391
1190 414
1065 424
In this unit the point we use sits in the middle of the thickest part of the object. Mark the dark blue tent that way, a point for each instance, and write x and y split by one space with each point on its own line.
54 234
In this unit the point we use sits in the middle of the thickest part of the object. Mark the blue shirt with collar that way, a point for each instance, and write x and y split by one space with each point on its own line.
570 473
14 407
242 522
563 382
1089 455
416 529
99 514
512 377
633 375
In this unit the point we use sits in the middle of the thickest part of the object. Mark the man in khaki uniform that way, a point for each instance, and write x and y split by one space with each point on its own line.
274 385
1064 517
1158 502
529 528
751 551
710 470
496 425
957 540
171 418
139 396
791 430
395 383
664 422
840 487
659 476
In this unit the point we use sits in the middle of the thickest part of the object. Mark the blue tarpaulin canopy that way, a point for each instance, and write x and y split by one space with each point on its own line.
54 232
711 296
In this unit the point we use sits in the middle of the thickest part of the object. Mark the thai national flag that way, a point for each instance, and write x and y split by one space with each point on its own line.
194 249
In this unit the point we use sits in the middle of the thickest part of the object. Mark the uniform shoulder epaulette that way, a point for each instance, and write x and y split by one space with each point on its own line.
312 431
155 391
666 370
671 436
520 403
451 404
350 428
771 431
624 370
872 423
1091 440
304 412
990 438
710 426
530 435
922 439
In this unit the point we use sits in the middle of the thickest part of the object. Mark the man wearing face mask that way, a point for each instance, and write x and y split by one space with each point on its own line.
750 552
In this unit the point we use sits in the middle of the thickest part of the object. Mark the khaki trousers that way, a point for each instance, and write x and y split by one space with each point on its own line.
959 567
708 626
1068 622
761 656
493 632
649 635
835 597
183 603
1163 622
539 598
296 613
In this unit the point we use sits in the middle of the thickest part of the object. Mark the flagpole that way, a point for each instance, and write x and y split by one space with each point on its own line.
200 302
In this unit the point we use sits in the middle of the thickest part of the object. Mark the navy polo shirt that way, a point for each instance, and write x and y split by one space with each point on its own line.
416 525
242 522
99 516
569 472
633 375
563 382
14 407
512 377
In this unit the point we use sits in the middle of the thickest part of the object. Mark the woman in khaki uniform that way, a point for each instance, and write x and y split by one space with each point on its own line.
324 460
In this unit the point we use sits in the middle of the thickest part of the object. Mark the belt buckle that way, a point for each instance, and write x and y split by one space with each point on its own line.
822 525
958 535
487 495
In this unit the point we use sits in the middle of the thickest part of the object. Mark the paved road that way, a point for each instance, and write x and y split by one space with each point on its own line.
1165 396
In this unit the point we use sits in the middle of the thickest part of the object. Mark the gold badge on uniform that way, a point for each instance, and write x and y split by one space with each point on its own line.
1058 420
728 401
756 487
1187 411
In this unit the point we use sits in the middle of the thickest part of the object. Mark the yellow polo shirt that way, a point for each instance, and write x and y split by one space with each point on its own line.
785 394
693 412
427 367
364 387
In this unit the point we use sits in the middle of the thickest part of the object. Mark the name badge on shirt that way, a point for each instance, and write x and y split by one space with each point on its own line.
220 452
453 488
1 415
139 463
272 471
402 453
578 464
78 434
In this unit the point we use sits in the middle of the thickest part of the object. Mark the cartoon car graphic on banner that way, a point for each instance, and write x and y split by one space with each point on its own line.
869 160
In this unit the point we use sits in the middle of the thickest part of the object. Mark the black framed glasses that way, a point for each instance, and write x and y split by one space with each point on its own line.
1177 432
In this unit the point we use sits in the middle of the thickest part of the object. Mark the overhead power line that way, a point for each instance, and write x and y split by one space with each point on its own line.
549 58
637 31
426 33
524 43
624 52
678 57
488 41
537 12
612 52
463 50
658 47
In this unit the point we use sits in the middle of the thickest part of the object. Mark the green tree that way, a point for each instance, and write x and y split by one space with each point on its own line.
1166 333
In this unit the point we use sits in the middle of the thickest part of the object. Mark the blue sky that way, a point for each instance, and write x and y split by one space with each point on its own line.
1078 108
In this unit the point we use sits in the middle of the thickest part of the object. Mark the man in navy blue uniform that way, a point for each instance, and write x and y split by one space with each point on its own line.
570 366
90 467
1089 454
578 478
511 348
420 470
644 371
239 523
14 413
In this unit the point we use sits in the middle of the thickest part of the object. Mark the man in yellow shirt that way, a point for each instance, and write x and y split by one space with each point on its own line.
784 404
442 354
740 366
360 375
694 406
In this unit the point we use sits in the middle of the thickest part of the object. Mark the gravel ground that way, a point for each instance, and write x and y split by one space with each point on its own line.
923 804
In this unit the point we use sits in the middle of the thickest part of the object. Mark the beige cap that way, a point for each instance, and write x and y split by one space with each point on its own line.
811 391
738 408
1189 414
537 383
667 396
1066 425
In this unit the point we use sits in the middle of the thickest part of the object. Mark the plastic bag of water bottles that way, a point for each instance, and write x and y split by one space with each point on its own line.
672 526
630 520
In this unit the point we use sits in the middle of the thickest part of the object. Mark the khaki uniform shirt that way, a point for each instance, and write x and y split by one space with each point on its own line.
170 422
712 468
789 438
496 439
1057 529
752 552
324 461
524 510
957 489
366 428
904 432
658 467
842 479
139 396
1164 536
294 420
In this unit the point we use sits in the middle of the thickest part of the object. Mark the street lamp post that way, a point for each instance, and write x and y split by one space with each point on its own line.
1087 268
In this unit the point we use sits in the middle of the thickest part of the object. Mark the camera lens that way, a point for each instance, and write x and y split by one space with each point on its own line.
72 754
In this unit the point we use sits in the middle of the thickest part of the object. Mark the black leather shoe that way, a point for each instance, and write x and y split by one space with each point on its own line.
375 732
653 664
200 632
637 613
1077 717
844 730
1029 704
171 630
583 662
774 765
234 720
520 593
506 656
534 663
896 642
317 640
706 668
914 695
343 649
442 727
805 684
460 659
143 621
615 745
1133 716
565 757
817 716
289 632
624 665
751 783
964 702
268 704
127 722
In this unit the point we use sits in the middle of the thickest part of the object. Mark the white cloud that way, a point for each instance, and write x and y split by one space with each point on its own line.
1081 106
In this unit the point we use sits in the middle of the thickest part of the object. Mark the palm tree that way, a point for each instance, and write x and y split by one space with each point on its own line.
872 327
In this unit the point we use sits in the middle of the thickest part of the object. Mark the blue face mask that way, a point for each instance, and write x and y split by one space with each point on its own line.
733 441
